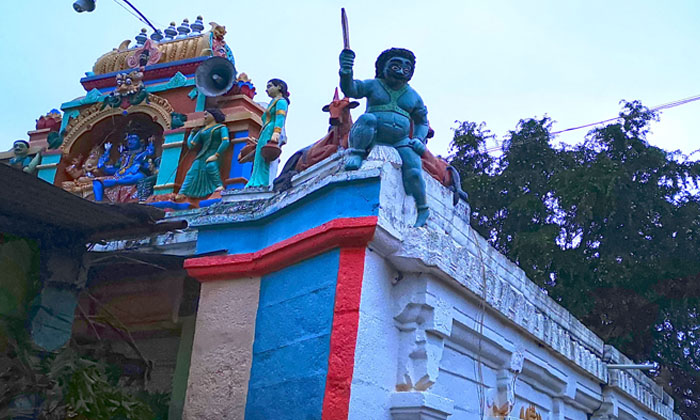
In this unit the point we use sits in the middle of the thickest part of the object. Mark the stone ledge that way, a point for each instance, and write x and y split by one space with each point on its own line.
420 406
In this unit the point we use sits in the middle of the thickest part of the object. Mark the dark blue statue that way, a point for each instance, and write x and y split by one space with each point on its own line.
395 116
132 166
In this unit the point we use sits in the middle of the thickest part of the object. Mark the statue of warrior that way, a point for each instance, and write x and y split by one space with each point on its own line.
395 116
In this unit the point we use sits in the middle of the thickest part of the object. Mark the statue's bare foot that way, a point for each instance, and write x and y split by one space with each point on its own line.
422 217
353 162
180 197
219 189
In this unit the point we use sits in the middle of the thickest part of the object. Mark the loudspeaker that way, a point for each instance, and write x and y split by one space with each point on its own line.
81 6
215 76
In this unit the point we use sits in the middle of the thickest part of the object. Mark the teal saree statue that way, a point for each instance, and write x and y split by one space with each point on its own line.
273 122
395 116
203 177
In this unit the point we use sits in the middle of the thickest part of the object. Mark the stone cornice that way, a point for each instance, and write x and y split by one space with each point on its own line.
338 233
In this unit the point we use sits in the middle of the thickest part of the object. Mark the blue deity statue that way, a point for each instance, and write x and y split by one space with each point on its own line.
132 166
395 116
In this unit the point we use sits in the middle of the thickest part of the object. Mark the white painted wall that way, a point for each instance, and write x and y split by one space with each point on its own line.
424 293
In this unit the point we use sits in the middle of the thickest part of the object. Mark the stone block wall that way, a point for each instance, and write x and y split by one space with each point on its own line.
427 323
292 340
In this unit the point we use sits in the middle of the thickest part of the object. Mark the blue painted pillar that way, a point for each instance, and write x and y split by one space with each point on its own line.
201 102
47 168
240 172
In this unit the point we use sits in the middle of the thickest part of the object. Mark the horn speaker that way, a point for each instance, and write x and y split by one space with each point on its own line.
81 6
215 76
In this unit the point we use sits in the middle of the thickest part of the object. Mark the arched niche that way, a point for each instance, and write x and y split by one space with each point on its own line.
110 127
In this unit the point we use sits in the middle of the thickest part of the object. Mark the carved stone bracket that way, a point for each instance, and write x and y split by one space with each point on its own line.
558 409
420 406
424 322
500 400
608 409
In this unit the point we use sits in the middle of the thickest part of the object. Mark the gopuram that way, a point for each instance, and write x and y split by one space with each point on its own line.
347 285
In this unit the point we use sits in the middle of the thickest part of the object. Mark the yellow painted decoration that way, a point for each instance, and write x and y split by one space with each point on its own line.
500 412
530 413
177 49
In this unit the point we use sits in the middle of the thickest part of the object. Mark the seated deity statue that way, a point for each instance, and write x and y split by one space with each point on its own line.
132 166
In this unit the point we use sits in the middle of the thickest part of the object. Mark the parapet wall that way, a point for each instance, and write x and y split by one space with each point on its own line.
471 273
448 327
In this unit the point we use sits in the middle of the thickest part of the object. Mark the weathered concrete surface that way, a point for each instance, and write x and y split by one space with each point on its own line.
222 350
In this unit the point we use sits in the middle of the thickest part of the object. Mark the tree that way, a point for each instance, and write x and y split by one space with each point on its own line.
610 228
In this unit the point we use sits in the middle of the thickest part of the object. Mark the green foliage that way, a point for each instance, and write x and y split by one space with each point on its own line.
69 385
610 228
72 383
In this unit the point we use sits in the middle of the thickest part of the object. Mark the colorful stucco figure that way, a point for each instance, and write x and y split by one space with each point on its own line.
271 133
130 90
204 177
395 116
131 167
147 55
334 140
530 413
217 44
22 160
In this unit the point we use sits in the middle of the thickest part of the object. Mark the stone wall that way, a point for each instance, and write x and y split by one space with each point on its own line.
457 318
448 327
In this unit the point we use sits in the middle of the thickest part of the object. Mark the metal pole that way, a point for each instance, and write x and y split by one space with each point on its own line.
630 367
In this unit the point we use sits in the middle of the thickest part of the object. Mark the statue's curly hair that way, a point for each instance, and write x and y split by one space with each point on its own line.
387 54
217 114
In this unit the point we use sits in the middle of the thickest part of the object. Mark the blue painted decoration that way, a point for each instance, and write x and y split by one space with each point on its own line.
347 199
291 348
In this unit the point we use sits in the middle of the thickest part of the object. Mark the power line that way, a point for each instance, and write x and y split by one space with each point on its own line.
667 105
656 108
140 15
128 10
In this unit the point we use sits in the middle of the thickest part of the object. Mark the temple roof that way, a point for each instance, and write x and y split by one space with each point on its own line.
33 208
173 50
177 43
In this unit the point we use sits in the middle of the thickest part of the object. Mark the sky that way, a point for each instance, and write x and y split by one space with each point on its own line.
494 61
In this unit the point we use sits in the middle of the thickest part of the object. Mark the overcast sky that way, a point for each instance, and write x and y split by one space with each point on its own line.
493 61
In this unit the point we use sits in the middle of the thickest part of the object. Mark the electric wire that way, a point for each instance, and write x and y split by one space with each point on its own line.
661 107
140 15
128 10
479 374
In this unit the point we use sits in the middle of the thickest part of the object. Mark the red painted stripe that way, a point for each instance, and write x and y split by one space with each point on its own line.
148 75
341 361
345 232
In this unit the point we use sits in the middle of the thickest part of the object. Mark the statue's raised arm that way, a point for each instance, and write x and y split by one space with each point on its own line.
395 116
350 87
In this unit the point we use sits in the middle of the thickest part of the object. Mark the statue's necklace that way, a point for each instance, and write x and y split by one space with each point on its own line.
129 160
